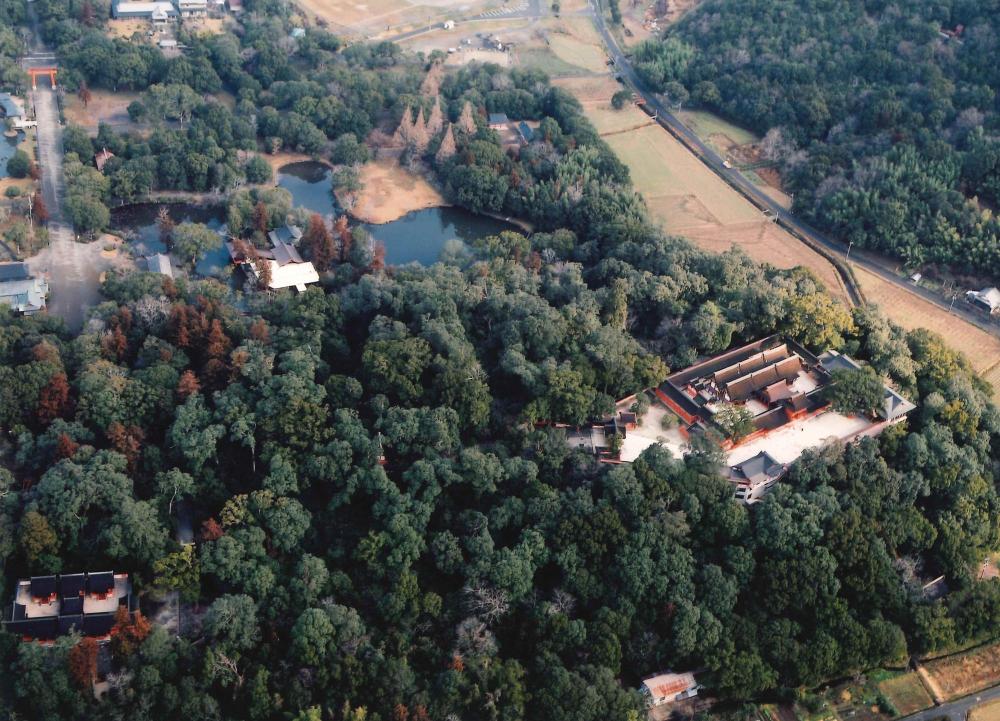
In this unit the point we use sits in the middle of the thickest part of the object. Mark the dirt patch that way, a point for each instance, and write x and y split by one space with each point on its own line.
127 28
575 41
907 694
967 672
208 26
104 107
464 55
277 160
911 311
391 191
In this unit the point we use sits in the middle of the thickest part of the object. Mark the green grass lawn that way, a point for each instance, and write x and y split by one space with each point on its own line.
705 124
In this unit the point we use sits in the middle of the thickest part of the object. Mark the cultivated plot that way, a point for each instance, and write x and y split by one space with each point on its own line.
907 694
967 672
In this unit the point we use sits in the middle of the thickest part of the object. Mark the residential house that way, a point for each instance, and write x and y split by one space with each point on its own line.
235 6
21 290
159 263
525 131
11 107
159 12
286 266
498 121
46 607
192 8
668 687
102 158
987 299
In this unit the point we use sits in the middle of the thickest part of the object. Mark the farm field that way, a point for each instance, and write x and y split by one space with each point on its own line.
911 311
986 712
907 694
575 41
684 195
362 15
967 672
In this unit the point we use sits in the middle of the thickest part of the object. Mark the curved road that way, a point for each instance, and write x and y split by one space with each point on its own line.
736 179
957 710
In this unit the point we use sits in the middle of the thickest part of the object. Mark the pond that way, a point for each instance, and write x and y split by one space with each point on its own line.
417 237
7 148
138 222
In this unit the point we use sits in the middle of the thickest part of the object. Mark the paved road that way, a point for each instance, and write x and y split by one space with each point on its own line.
73 269
956 710
880 266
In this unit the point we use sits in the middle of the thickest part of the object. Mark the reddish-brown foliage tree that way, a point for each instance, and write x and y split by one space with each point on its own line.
218 342
87 15
211 530
35 172
400 713
127 441
420 713
45 352
66 447
320 242
378 258
53 399
166 226
259 332
188 385
344 234
261 218
84 92
457 664
263 272
39 209
129 631
169 287
82 662
114 344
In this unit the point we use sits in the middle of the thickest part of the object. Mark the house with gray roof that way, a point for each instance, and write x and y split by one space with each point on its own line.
20 290
11 108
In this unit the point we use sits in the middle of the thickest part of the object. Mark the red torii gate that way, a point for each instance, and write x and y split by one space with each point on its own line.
35 72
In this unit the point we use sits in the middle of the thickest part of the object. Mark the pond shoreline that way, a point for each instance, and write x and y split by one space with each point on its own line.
389 192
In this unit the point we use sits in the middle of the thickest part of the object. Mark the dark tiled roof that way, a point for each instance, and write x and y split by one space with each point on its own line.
101 582
14 271
69 622
98 624
44 629
42 586
71 605
71 584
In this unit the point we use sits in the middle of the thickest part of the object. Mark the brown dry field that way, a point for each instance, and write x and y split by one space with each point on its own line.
986 712
374 15
104 106
391 191
967 672
127 28
911 311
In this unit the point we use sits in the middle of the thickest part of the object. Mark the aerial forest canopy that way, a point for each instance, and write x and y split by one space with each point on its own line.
385 527
883 115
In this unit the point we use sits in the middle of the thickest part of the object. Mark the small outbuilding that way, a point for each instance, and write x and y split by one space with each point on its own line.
987 299
668 687
498 121
159 263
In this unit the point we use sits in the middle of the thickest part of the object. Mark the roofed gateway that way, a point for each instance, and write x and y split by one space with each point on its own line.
776 387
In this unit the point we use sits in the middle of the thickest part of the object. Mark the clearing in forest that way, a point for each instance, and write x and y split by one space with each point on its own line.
967 672
390 191
907 694
105 106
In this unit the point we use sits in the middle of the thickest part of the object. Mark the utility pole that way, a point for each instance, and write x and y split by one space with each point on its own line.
850 245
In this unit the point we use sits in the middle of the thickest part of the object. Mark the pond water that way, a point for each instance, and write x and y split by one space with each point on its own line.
7 148
138 222
417 237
